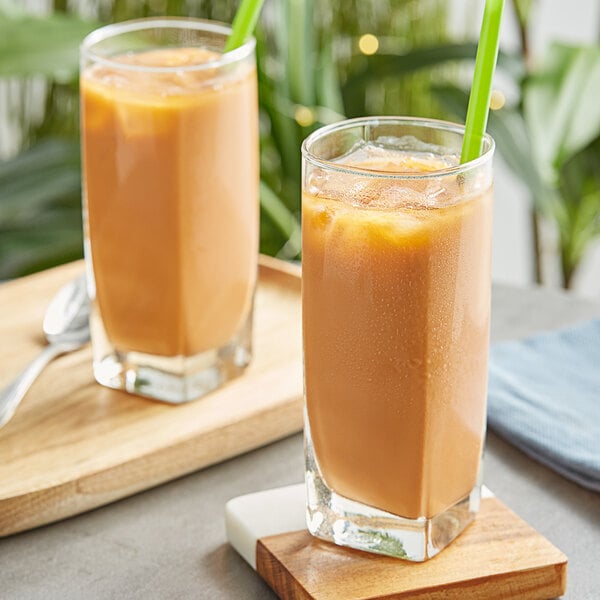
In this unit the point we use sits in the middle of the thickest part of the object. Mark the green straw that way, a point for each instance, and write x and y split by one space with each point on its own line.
485 64
244 23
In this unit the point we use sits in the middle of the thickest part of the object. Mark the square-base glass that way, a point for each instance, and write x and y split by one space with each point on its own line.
171 241
396 272
334 518
173 379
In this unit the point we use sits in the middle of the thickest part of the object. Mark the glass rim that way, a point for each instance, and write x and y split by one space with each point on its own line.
416 121
114 29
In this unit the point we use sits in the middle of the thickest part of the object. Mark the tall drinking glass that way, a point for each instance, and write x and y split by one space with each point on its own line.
170 162
396 305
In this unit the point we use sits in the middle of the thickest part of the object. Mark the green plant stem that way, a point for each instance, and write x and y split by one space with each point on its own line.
537 246
536 233
522 23
568 270
174 7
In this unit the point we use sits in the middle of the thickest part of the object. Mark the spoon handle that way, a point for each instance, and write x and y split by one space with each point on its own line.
11 396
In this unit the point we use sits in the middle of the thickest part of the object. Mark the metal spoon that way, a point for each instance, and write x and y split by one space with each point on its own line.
66 326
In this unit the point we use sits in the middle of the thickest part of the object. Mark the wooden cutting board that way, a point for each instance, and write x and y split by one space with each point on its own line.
74 445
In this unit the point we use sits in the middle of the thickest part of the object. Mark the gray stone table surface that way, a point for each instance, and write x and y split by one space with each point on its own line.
170 542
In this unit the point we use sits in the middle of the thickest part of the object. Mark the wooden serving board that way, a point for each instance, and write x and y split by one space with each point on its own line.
74 445
498 556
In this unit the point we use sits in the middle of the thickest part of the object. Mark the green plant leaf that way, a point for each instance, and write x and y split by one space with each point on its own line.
51 242
329 93
523 9
579 217
40 208
273 86
48 46
380 66
38 178
562 107
283 219
300 50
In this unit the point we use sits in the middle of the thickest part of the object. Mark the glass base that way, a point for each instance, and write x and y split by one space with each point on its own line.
173 379
345 522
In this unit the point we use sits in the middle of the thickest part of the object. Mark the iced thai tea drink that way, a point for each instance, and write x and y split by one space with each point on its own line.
170 161
396 264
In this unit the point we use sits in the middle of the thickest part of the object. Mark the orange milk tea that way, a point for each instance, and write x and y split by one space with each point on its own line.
396 307
171 192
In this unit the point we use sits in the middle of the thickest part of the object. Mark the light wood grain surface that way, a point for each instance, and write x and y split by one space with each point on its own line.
74 445
498 557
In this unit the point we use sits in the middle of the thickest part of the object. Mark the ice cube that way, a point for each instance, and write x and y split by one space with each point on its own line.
358 190
318 182
395 196
435 194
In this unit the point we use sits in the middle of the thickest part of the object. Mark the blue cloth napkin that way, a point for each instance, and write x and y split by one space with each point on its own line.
544 397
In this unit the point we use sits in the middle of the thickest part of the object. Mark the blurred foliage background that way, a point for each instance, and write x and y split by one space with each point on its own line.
318 62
